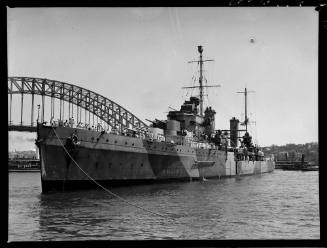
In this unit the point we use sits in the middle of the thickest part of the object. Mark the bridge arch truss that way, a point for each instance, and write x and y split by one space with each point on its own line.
105 109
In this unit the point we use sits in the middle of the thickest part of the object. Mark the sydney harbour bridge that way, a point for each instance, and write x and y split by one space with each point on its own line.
32 100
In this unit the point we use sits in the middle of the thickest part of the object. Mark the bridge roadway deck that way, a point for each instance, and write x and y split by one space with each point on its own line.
22 128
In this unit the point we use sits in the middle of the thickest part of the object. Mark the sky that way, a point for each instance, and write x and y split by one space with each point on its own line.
138 58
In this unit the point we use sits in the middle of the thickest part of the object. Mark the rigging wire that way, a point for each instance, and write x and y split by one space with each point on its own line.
194 84
193 79
255 117
224 107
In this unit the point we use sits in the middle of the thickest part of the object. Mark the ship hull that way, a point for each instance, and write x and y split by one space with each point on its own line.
122 160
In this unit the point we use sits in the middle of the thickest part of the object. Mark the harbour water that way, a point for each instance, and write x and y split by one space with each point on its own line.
278 205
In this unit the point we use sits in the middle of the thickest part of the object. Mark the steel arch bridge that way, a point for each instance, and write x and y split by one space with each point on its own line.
105 109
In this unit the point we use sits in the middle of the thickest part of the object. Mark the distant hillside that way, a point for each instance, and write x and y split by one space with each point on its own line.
310 150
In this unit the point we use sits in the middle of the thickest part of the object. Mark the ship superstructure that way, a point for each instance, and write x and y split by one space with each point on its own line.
185 146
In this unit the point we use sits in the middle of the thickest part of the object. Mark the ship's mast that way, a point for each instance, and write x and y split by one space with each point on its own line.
200 50
246 115
200 62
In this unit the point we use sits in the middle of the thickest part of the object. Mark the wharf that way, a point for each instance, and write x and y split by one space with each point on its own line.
23 165
291 165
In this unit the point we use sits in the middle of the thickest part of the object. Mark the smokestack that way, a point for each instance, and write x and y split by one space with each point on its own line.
234 132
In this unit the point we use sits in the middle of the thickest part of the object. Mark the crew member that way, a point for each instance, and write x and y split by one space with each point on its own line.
245 152
256 152
60 123
240 151
223 140
71 122
261 155
217 139
251 153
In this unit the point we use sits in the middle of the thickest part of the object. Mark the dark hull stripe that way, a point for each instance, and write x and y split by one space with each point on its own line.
72 185
61 185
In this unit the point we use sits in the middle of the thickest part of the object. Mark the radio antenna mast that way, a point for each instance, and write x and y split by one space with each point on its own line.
245 92
200 87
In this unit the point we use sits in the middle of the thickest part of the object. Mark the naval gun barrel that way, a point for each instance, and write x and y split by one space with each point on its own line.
150 121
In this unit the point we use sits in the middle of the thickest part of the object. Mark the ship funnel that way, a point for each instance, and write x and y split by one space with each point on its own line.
234 132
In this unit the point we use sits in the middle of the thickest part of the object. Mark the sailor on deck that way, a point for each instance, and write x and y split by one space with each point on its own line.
99 127
217 139
261 155
224 141
251 153
71 122
245 152
60 123
240 152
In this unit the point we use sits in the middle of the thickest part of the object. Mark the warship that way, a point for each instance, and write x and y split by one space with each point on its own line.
186 146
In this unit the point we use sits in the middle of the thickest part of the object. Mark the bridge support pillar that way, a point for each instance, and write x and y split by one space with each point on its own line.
32 110
10 102
21 109
42 114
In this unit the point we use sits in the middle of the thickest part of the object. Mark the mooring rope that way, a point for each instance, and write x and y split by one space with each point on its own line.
105 189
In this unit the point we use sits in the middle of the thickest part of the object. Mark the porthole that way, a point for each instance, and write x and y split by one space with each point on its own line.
133 144
142 165
115 141
107 140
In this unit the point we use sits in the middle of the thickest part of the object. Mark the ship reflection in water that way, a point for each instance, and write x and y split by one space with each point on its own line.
278 205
